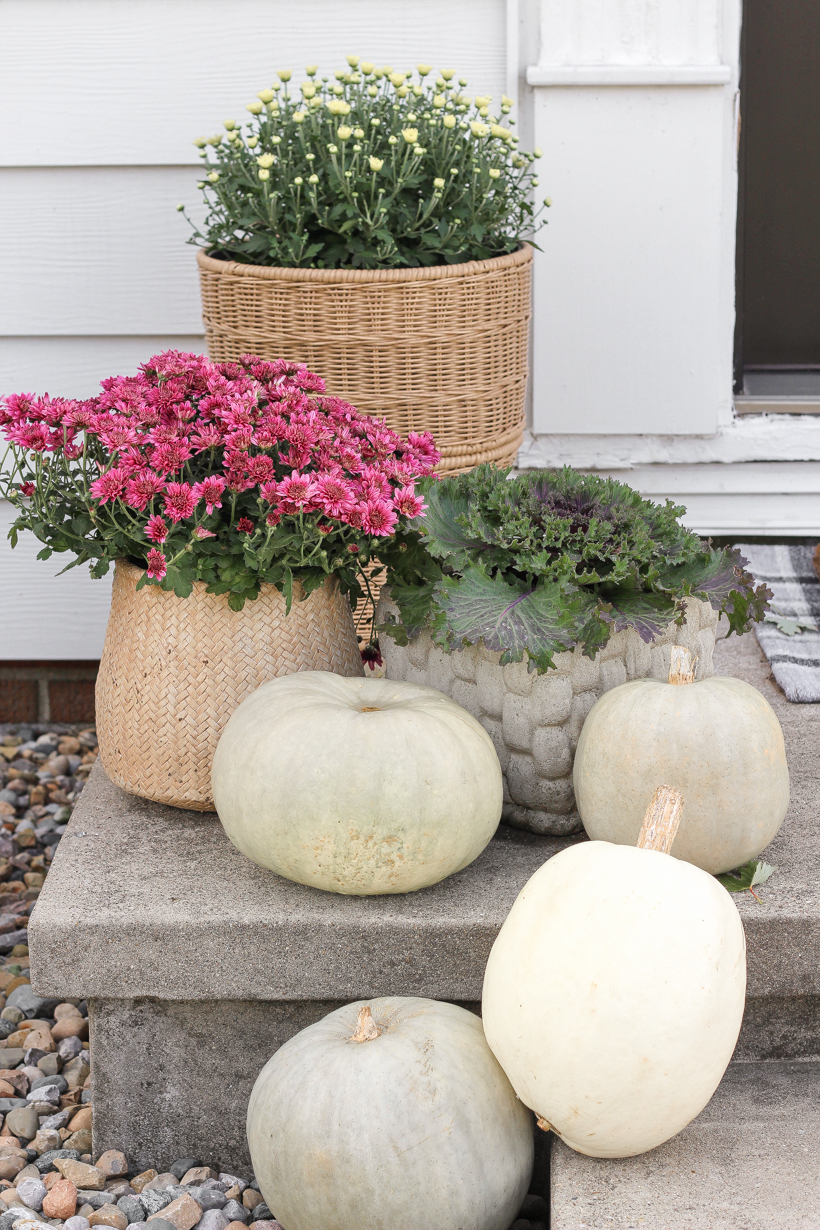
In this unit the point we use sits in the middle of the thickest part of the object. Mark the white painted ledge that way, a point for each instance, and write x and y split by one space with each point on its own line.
628 74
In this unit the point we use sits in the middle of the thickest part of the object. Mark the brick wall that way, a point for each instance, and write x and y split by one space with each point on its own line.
61 692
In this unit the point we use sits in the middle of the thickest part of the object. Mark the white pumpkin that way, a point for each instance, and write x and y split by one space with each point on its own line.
356 785
718 741
614 994
389 1115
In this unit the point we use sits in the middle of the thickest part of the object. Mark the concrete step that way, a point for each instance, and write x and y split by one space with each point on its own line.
750 1161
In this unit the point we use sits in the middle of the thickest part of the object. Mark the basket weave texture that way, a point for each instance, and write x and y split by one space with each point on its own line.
174 669
442 349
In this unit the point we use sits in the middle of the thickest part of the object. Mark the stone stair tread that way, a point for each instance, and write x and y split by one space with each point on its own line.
750 1161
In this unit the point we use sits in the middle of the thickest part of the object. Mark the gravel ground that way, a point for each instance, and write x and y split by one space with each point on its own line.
46 1170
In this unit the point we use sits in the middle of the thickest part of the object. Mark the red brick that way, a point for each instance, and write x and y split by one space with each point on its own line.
18 700
71 700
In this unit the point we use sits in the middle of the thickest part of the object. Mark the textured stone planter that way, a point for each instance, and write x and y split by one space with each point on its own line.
535 720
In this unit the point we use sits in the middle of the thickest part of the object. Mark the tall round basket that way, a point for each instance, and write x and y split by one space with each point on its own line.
174 669
441 349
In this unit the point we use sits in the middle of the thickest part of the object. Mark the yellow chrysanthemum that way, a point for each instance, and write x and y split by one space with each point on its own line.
265 160
337 106
266 96
376 164
255 108
344 132
449 121
263 174
411 135
438 183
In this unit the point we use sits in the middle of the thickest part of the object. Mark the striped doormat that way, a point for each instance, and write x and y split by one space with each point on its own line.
790 635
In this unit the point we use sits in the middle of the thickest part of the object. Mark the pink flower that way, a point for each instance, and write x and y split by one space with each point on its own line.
406 501
296 492
180 501
333 495
201 532
259 469
378 518
270 491
272 519
109 486
156 564
244 525
156 530
117 434
170 456
143 487
27 488
210 490
206 436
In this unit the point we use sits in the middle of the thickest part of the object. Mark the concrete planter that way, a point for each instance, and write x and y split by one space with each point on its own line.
535 720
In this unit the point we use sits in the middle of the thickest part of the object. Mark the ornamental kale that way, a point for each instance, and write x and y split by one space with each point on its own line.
373 170
548 560
235 474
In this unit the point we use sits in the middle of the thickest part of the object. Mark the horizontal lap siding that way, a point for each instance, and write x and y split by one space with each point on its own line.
100 102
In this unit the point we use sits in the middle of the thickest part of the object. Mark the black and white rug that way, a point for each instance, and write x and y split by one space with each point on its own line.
790 635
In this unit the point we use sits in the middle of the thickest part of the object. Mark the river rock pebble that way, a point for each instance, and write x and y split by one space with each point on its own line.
61 1200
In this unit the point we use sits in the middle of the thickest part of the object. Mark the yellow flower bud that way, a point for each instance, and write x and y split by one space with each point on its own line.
353 60
484 111
214 176
312 70
201 183
337 106
263 174
478 129
180 208
376 164
358 133
547 201
419 149
308 89
366 67
200 143
299 116
265 160
397 79
424 69
333 149
535 181
501 133
378 73
255 108
494 173
507 102
439 100
344 132
313 179
411 135
298 180
285 75
449 121
266 96
402 91
372 90
230 125
252 142
392 140
448 74
438 183
315 102
537 153
276 139
483 100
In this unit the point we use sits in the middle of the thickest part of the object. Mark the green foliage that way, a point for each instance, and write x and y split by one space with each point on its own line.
372 170
751 873
553 559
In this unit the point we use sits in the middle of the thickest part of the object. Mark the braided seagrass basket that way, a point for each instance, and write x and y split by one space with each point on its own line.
174 669
442 349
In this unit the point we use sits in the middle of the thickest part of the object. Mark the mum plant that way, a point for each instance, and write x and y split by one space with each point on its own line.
374 169
549 560
235 474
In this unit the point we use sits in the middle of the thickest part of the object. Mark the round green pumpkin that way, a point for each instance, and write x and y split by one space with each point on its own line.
356 785
390 1114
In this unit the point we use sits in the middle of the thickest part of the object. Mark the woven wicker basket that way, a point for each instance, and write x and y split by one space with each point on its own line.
442 349
174 669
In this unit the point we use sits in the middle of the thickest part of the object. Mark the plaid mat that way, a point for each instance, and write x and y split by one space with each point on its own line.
795 658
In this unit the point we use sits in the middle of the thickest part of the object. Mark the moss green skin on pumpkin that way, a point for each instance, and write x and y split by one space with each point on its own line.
356 786
717 741
418 1127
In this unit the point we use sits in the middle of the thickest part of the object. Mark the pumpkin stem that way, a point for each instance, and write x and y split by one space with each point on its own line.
682 665
663 816
366 1027
543 1124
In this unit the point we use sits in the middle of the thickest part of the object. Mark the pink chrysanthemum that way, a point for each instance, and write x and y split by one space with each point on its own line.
210 490
406 502
201 532
244 525
157 567
170 456
109 486
142 488
180 501
27 488
157 529
333 495
296 492
378 518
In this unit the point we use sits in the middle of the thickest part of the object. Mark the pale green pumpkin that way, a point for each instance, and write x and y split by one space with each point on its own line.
390 1114
356 785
